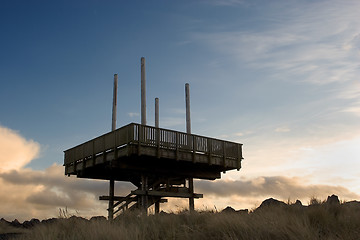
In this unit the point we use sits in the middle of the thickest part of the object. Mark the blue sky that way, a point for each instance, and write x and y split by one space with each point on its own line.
281 77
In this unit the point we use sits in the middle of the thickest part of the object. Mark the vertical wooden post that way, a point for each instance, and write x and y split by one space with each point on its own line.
188 131
144 198
143 92
113 127
111 200
157 112
157 206
113 122
157 124
191 199
187 102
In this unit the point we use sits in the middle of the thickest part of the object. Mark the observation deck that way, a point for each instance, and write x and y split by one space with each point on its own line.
133 150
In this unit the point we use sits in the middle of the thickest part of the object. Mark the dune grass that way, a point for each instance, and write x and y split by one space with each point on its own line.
5 228
318 221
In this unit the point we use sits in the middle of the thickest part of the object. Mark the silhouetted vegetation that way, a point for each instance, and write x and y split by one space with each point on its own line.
272 220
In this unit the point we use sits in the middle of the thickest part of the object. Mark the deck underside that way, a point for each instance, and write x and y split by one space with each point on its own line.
129 152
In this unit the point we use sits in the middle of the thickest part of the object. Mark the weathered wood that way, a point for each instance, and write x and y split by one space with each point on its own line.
111 200
191 192
116 198
167 142
166 194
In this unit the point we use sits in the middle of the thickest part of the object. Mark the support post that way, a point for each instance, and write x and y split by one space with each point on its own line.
144 198
143 92
157 112
113 127
113 122
187 100
157 127
111 200
188 131
157 207
191 191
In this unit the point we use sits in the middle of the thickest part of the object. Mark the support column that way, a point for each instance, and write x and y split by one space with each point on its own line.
187 103
191 199
188 131
157 112
157 207
143 92
113 127
111 200
144 198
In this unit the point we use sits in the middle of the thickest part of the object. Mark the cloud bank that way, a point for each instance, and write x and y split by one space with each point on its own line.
27 193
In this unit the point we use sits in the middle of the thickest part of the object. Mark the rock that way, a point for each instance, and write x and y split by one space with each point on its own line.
353 204
97 219
2 220
243 211
298 203
272 203
77 219
16 223
333 200
49 221
29 224
228 209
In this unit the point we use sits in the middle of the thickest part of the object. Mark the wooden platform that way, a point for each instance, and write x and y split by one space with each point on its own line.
161 163
135 149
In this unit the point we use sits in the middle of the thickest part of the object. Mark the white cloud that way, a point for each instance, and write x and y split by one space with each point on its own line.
16 151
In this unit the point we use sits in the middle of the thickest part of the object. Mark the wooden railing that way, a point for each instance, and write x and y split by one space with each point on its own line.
152 137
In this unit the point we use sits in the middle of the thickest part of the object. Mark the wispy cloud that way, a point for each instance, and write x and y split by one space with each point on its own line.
310 42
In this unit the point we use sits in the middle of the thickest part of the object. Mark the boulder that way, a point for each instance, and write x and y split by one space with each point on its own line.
243 211
50 220
2 220
333 200
16 223
271 202
297 204
29 224
228 209
97 218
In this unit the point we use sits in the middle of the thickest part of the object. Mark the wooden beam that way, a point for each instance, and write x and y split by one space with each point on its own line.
107 198
166 194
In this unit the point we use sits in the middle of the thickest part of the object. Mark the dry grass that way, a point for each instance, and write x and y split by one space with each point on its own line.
5 228
319 221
